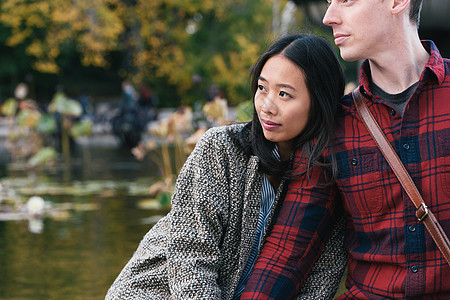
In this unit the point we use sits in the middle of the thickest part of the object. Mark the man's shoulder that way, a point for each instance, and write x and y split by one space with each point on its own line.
345 106
447 66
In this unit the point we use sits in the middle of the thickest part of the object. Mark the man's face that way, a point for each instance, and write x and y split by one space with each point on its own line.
360 27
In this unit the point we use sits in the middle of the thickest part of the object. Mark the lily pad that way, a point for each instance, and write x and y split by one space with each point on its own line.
63 105
28 118
44 156
9 107
149 204
81 128
46 125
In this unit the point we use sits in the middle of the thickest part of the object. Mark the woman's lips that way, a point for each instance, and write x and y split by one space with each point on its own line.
269 125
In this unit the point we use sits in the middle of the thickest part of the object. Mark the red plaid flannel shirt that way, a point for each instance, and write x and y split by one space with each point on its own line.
391 254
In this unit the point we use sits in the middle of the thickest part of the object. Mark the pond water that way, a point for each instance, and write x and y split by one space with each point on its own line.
80 250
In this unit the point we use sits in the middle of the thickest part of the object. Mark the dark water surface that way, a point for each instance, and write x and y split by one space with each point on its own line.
78 256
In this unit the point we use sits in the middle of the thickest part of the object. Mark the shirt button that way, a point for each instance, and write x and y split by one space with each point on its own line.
392 112
414 269
411 228
354 161
406 146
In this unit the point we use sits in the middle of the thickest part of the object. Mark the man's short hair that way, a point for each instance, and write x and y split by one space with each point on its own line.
414 13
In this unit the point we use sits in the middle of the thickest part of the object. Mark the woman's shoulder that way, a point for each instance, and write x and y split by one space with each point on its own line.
226 129
221 143
222 134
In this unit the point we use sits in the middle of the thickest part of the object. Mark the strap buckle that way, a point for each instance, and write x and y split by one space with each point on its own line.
422 212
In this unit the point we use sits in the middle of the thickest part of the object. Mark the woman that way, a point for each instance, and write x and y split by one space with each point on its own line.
230 186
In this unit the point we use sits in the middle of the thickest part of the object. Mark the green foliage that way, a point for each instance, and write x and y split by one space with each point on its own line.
46 125
203 39
46 26
164 43
65 106
81 128
43 156
164 199
30 130
244 111
9 107
28 118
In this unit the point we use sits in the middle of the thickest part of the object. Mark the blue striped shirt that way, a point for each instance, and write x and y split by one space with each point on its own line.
267 198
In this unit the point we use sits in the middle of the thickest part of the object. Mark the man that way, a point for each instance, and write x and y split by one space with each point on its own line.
406 84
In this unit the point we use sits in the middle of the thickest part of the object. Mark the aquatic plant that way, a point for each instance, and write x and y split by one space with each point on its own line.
31 130
67 111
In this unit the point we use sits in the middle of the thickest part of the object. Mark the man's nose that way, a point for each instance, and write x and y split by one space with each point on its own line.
331 17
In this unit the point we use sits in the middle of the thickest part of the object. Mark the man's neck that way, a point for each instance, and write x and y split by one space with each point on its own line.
400 66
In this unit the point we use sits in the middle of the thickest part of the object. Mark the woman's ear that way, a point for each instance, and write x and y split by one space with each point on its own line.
399 6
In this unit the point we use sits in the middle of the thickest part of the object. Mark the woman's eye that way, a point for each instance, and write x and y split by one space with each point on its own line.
284 94
260 87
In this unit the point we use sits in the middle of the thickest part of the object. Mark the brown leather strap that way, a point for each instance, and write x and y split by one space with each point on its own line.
422 212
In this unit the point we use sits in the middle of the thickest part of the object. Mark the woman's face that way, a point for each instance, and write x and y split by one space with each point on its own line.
282 102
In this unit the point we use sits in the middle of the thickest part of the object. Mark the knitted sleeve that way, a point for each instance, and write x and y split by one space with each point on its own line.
179 257
323 281
197 221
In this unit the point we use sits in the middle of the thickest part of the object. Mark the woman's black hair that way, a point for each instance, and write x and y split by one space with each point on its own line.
324 79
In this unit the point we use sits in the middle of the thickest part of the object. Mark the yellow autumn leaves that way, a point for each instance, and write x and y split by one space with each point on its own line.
45 26
154 38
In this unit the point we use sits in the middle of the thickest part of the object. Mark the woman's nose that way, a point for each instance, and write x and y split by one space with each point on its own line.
268 106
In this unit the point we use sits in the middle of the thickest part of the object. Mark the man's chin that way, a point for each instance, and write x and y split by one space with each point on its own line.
349 56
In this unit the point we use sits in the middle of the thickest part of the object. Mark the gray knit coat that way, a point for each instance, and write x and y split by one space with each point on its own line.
199 250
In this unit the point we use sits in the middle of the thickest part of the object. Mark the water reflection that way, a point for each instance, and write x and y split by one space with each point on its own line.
79 254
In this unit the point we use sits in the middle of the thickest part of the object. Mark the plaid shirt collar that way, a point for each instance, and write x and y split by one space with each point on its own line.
434 69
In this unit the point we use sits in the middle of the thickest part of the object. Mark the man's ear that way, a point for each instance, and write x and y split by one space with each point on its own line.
399 5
